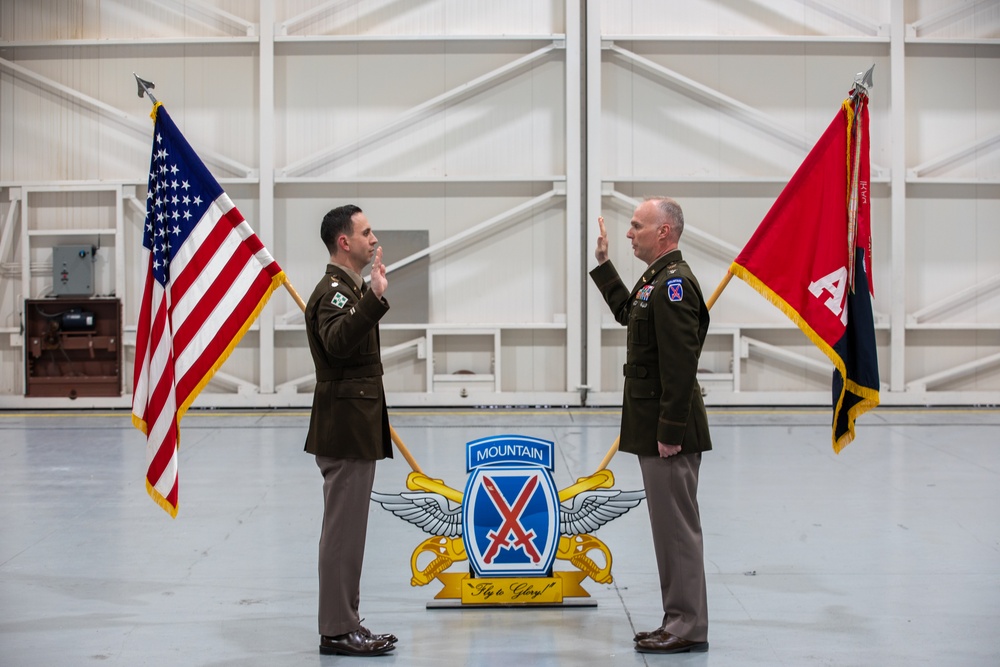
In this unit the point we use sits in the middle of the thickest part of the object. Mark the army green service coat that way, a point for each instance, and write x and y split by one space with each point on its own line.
667 323
349 419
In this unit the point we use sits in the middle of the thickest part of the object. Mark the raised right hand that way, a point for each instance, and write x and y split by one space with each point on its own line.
601 252
379 281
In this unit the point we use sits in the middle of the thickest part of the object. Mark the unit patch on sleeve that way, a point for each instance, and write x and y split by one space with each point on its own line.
338 300
675 289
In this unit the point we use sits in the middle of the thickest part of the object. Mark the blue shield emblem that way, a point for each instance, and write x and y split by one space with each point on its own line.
510 516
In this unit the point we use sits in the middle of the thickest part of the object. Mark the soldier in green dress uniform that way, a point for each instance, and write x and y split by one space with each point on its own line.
664 422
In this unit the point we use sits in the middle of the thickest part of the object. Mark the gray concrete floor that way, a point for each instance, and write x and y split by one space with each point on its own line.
886 554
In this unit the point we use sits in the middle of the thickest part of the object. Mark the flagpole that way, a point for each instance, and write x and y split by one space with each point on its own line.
607 457
145 88
862 85
295 295
718 290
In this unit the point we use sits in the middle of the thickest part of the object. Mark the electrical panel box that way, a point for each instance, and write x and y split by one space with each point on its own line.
73 347
73 270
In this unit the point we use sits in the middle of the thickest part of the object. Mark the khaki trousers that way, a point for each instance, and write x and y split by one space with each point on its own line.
672 501
347 488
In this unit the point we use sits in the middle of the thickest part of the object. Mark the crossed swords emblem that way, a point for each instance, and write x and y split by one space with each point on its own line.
511 522
436 508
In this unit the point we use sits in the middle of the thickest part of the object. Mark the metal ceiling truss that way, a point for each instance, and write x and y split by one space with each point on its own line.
952 302
847 17
945 17
957 155
293 24
209 15
712 97
143 128
304 170
320 159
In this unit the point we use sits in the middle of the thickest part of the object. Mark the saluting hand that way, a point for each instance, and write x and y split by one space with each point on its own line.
379 282
601 252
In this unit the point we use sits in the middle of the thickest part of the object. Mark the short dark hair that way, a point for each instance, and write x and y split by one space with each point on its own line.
338 221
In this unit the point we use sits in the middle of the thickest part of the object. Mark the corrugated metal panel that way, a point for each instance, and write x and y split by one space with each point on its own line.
446 17
330 93
764 19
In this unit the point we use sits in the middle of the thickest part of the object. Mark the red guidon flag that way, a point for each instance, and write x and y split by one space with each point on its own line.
811 257
207 278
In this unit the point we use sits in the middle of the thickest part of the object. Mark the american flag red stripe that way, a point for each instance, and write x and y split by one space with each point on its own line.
208 277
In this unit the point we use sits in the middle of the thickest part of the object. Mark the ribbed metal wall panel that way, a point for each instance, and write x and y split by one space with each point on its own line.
357 66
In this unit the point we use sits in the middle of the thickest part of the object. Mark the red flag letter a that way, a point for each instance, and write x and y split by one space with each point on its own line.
836 284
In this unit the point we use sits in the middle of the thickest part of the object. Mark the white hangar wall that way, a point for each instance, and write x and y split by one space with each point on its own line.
497 132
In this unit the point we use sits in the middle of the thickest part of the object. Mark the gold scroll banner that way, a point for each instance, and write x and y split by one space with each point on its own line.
511 590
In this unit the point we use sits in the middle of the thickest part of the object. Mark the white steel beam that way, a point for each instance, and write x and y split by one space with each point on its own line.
953 301
199 11
9 221
327 156
738 109
593 168
961 370
139 206
228 380
897 194
575 220
419 344
475 230
292 386
145 129
106 109
291 317
290 25
776 352
265 185
120 247
849 18
945 16
962 153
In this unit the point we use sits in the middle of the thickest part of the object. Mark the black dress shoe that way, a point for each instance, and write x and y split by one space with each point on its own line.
658 632
353 643
665 642
388 637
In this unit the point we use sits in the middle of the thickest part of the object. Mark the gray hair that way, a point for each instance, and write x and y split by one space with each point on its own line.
671 210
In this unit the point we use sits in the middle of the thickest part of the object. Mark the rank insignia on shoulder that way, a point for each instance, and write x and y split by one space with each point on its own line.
338 300
675 289
644 293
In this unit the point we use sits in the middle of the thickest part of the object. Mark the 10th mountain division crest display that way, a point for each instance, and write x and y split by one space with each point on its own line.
511 524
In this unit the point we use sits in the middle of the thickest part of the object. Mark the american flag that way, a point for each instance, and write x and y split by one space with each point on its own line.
207 278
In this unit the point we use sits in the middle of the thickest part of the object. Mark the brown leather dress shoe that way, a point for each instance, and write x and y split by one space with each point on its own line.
665 642
658 632
388 637
353 643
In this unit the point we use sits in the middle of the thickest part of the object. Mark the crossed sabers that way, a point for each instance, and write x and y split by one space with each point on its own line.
511 522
